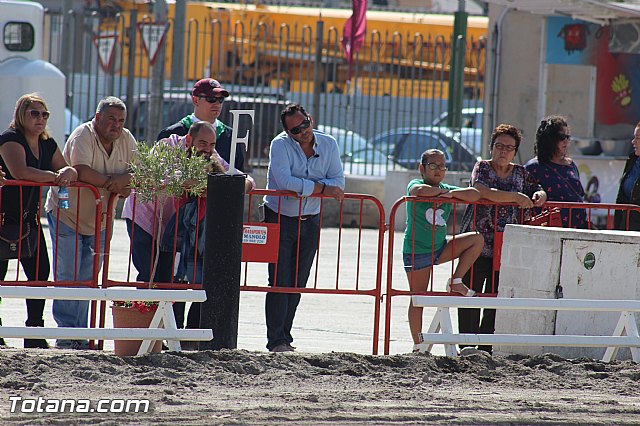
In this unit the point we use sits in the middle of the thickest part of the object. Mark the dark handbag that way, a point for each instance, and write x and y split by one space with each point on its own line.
18 242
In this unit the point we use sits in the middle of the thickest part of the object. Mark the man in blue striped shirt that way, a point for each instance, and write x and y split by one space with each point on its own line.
307 162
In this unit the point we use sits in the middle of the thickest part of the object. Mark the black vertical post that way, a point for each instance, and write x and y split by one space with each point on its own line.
222 260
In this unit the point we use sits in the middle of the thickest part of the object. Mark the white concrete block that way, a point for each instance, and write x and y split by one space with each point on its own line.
521 321
587 264
517 277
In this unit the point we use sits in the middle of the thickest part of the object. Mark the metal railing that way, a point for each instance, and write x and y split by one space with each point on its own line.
601 215
400 81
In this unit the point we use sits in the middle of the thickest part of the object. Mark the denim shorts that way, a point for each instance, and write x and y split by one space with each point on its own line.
421 261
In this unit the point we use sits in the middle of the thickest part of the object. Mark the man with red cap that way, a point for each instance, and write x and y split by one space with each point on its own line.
207 97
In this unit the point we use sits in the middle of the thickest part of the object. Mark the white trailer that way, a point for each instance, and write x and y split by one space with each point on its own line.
22 69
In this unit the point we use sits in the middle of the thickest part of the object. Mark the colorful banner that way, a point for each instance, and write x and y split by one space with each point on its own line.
575 42
571 41
600 177
617 85
354 31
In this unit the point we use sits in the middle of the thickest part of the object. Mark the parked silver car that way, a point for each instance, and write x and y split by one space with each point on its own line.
470 133
359 157
406 145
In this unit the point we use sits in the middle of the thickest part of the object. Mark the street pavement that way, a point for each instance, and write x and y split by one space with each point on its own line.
324 323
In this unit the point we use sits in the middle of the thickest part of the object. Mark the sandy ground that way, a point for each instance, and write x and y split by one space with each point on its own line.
331 380
241 387
324 323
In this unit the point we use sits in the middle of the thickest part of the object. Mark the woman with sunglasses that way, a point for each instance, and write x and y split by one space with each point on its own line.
28 152
555 172
501 181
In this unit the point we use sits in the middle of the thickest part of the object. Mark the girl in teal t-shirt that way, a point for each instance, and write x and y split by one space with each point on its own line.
425 241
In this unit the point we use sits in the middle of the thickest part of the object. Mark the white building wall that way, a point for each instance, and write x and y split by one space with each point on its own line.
527 89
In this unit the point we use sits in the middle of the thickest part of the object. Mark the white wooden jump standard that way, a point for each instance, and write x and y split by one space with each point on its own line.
162 327
440 330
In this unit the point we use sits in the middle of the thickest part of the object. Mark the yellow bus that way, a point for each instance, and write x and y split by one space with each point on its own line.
279 44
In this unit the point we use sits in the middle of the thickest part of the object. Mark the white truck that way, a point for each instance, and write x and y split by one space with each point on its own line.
22 69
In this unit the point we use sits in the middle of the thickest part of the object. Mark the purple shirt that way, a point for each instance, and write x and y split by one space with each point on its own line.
562 184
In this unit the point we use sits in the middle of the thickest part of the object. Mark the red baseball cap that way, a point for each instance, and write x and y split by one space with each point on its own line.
208 87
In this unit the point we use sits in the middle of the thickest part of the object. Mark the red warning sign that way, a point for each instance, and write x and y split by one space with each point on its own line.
153 35
106 44
260 242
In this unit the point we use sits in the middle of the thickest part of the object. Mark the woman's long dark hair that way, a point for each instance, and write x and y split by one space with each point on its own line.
547 137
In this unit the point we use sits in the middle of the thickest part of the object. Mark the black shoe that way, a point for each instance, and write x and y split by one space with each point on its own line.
2 343
36 343
189 345
486 348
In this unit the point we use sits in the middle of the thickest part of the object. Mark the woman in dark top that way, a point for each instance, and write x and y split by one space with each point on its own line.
28 152
555 172
629 190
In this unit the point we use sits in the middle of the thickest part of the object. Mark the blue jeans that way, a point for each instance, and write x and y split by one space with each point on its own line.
280 308
71 313
143 252
415 262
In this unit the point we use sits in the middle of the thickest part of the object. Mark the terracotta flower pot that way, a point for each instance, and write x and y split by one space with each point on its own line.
132 318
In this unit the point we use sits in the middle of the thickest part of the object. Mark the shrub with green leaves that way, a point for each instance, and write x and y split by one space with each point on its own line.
164 171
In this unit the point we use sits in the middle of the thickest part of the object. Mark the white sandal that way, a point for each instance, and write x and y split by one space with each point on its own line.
416 348
470 293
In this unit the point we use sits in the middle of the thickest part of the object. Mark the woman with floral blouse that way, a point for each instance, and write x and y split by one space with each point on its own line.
501 181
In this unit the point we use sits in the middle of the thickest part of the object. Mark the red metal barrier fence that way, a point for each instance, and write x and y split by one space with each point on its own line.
356 205
260 246
129 281
599 216
72 187
42 252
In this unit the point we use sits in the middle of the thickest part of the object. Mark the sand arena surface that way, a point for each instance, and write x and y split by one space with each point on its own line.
241 387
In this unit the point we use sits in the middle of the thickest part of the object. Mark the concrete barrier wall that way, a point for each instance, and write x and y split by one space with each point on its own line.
587 264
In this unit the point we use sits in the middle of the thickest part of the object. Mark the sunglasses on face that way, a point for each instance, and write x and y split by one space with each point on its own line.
434 166
212 99
35 113
563 136
300 127
503 147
